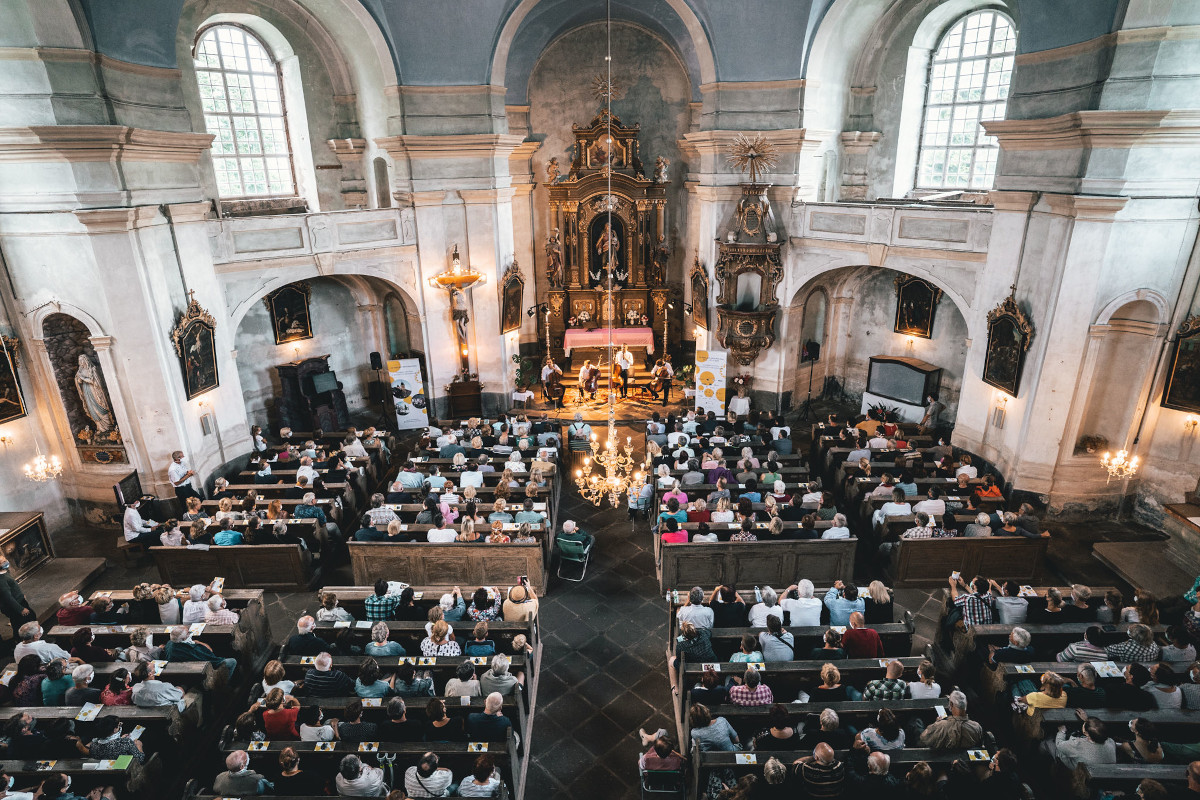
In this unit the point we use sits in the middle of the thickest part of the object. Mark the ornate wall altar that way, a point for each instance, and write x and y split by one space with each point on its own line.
582 232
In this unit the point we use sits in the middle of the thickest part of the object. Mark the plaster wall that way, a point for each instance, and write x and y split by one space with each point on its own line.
336 331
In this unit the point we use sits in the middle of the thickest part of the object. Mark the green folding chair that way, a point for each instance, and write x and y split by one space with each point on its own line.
577 552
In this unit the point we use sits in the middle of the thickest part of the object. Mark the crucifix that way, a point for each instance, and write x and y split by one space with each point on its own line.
458 280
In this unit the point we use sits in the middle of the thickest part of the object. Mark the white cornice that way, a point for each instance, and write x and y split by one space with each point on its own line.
100 143
1099 130
473 145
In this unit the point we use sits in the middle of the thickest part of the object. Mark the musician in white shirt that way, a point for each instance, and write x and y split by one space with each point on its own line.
144 531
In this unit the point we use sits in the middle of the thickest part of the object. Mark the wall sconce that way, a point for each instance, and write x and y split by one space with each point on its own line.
6 441
1000 411
1189 424
296 351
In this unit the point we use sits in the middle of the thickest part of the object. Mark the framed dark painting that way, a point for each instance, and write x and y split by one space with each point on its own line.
289 312
1009 335
196 348
510 307
12 405
916 303
1183 382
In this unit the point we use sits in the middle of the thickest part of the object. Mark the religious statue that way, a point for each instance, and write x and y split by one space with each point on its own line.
92 395
608 245
660 169
662 254
552 171
458 312
554 259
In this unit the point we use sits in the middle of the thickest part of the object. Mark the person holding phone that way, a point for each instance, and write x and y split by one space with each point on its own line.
521 605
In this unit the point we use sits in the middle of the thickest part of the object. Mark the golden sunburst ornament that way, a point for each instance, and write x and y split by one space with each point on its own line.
605 89
755 155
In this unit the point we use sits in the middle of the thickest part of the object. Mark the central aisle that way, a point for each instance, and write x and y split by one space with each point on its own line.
603 667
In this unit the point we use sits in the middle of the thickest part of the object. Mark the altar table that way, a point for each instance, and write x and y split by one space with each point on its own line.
598 337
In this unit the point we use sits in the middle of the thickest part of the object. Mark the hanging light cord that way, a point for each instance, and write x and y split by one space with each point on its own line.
612 412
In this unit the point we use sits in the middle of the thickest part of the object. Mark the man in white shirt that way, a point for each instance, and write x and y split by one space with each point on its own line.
143 531
677 438
306 470
769 605
471 477
441 533
625 362
32 643
878 441
934 506
690 425
353 448
181 477
695 611
356 779
897 507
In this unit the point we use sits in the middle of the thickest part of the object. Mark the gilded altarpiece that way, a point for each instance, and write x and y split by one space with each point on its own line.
628 246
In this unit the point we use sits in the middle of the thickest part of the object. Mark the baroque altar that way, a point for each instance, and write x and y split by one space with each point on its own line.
586 248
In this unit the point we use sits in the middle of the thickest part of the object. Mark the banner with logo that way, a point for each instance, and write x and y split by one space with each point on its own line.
710 382
408 392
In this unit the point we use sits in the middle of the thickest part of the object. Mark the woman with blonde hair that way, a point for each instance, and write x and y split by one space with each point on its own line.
467 532
722 514
537 478
141 647
459 462
275 677
468 493
225 509
1051 695
507 478
748 461
831 689
879 609
170 607
439 643
194 510
524 534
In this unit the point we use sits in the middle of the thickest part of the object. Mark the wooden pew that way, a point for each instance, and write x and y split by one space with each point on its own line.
1090 779
749 563
748 598
227 641
427 564
1004 676
1048 640
275 567
1173 725
135 781
185 674
160 722
929 562
410 635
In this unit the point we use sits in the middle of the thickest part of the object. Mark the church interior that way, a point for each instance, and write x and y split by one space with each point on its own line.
600 398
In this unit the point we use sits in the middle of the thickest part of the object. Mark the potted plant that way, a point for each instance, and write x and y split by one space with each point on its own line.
526 373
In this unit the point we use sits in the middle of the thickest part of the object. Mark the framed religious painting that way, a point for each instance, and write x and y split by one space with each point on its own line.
512 288
1009 335
196 348
289 312
12 405
1183 381
916 303
699 280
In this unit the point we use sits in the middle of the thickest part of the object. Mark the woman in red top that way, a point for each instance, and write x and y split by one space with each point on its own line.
698 511
118 692
279 715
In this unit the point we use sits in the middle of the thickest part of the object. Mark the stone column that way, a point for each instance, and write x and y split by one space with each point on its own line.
856 145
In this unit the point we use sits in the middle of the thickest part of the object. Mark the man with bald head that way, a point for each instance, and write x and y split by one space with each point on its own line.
823 775
891 687
859 641
869 777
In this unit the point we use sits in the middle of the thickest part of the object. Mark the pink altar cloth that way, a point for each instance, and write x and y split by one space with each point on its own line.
598 337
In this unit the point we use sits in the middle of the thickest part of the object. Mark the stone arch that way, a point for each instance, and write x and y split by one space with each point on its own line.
691 41
1154 298
38 321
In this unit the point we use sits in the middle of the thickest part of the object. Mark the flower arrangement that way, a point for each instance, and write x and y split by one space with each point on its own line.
462 377
579 320
645 320
742 381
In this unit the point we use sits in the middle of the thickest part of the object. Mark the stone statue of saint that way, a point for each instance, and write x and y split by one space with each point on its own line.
660 169
661 255
458 312
554 259
552 171
607 247
92 395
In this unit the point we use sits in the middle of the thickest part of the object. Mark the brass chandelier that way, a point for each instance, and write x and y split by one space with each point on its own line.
611 471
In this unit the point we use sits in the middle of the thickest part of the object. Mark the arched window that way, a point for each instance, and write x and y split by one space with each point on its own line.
241 93
968 83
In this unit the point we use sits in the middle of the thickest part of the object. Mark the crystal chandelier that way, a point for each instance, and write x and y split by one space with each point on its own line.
43 469
1120 466
610 472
